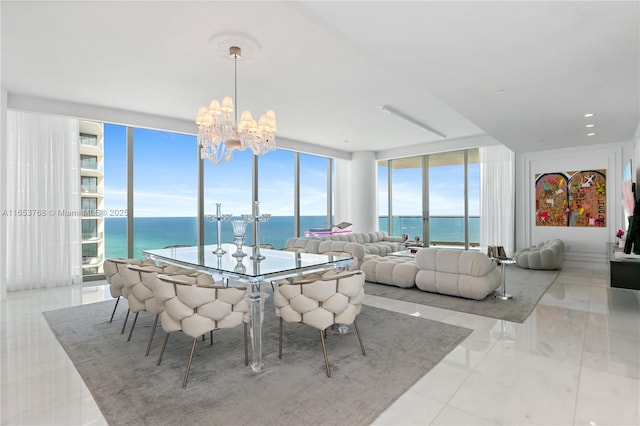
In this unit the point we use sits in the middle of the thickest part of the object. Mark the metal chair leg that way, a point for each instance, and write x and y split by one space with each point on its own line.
186 374
125 321
153 330
280 341
133 326
324 352
164 345
355 324
114 309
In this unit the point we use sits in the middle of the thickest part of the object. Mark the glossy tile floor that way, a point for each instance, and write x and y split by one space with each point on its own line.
575 361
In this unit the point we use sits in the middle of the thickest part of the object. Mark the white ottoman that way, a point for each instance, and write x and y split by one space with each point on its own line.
399 271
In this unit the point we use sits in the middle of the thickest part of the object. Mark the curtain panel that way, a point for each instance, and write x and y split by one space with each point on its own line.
497 198
42 215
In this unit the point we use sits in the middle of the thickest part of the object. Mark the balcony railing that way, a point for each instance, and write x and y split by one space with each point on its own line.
443 230
91 189
92 260
92 166
92 236
91 142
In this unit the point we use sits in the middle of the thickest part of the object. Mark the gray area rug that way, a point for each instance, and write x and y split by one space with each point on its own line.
526 286
131 390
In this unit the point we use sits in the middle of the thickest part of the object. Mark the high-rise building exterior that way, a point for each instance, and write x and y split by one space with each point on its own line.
92 196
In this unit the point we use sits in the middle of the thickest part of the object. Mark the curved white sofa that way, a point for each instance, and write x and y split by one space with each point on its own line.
545 255
468 274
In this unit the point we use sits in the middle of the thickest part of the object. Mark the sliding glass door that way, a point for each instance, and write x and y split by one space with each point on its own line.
434 198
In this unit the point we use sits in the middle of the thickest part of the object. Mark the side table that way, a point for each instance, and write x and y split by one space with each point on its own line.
502 293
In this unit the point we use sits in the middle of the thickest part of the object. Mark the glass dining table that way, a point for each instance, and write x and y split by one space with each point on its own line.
277 264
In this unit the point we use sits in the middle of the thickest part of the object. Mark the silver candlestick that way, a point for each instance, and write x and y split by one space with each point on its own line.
219 218
257 218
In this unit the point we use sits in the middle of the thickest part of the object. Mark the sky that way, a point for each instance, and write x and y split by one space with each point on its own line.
165 177
165 181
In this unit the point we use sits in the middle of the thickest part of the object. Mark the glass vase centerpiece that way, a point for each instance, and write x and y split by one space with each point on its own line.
239 229
257 218
219 218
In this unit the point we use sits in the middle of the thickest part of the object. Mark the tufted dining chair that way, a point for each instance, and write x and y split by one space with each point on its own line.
195 309
141 280
321 302
113 268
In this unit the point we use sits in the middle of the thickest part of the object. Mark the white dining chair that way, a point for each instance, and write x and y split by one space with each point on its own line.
196 309
321 302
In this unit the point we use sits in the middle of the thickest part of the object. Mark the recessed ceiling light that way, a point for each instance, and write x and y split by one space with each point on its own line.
590 125
591 134
500 91
589 114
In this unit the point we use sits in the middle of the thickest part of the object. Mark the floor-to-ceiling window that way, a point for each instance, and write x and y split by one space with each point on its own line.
115 190
229 183
383 195
314 194
406 197
433 197
164 191
276 190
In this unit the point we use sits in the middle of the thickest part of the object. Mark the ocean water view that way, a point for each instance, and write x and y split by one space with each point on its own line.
158 232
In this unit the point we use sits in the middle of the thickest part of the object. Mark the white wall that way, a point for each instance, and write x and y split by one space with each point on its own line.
581 244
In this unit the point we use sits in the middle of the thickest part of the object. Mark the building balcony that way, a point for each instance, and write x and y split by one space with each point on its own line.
92 237
92 260
91 189
90 166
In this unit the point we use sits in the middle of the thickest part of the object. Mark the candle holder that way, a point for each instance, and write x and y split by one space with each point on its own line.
257 218
239 227
219 218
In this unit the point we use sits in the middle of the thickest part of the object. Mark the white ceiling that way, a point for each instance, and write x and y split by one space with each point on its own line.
327 67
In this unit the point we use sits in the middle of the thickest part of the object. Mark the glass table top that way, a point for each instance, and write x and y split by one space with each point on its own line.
275 262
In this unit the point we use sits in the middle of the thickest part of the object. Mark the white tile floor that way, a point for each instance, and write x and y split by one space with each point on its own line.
575 361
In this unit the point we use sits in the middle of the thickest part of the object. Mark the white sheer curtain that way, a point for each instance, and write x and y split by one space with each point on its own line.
497 197
43 244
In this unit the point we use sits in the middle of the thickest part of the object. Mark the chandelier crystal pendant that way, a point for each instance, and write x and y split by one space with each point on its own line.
218 136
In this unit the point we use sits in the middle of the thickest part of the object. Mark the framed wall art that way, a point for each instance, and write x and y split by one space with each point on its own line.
572 198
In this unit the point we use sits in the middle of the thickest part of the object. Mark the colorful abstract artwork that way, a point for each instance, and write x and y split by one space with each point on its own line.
574 198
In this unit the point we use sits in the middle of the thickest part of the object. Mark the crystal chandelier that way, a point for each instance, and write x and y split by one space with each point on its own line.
218 136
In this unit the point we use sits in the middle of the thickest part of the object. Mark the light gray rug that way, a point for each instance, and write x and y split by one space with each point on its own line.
525 285
131 390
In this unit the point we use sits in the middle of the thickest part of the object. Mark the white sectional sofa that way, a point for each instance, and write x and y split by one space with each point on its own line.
468 274
357 244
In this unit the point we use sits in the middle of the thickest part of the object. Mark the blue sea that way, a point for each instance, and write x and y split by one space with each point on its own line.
158 232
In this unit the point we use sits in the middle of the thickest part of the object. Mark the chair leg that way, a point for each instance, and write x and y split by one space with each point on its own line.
324 352
133 325
246 349
186 374
211 338
153 331
164 345
280 341
125 321
114 309
355 324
